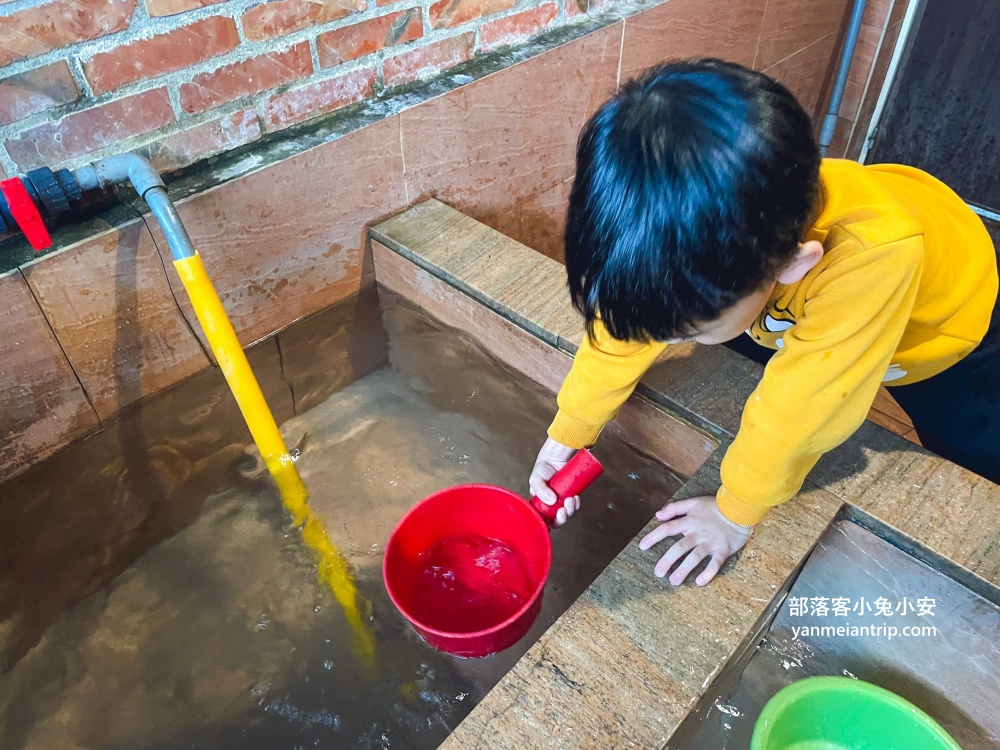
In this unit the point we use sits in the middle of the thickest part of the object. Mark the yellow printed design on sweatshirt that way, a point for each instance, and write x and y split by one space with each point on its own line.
769 328
904 290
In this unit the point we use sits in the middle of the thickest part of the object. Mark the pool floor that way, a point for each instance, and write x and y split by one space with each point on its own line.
197 621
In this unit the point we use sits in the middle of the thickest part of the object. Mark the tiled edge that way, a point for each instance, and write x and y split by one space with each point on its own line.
650 429
475 259
44 407
941 505
640 424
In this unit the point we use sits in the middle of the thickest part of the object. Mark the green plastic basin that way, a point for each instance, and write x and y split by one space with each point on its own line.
839 713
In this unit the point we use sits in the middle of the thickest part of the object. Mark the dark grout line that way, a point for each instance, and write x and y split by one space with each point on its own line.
59 343
281 371
170 288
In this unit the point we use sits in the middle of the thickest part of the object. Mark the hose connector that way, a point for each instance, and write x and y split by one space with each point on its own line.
119 169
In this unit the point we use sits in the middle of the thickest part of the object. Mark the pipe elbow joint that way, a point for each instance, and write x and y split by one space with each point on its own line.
114 170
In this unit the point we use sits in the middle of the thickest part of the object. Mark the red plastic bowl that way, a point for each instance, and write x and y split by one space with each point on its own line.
497 513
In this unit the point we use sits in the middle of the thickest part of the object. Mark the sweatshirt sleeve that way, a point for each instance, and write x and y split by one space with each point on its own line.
605 371
817 390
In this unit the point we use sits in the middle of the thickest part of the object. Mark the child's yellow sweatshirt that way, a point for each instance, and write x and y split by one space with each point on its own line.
905 289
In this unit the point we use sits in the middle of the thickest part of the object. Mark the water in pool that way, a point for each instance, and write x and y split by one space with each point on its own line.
153 594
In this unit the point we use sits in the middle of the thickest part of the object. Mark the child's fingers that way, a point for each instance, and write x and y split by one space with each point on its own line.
661 532
690 563
570 506
542 491
680 548
674 509
710 571
544 470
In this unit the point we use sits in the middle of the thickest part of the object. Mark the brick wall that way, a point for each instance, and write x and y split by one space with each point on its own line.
185 79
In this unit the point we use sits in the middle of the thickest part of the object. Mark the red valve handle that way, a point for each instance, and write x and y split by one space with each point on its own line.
25 213
570 480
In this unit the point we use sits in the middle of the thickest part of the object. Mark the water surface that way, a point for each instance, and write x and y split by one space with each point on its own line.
153 594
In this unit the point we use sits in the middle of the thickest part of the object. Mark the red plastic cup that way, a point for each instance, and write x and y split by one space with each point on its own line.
492 512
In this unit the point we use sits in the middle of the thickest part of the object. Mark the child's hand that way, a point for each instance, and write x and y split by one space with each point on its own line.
552 457
706 533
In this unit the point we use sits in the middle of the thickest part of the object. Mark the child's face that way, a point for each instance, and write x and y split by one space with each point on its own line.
736 319
732 322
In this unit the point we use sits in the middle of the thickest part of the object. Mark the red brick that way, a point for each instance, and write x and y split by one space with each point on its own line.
162 53
352 42
316 99
426 61
448 13
35 31
515 28
83 132
36 90
207 90
172 7
202 141
285 16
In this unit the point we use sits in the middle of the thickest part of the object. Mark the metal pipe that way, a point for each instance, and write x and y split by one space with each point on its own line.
169 220
138 171
902 39
840 81
116 170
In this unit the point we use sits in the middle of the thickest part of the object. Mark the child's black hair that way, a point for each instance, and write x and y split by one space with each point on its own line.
694 186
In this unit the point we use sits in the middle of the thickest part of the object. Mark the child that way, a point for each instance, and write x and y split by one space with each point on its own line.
700 210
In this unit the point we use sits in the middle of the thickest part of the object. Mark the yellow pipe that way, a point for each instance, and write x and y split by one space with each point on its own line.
333 568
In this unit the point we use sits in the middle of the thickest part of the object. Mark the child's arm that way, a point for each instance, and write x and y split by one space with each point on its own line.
605 372
819 388
814 394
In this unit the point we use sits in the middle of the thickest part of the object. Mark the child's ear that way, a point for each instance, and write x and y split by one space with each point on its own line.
810 253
